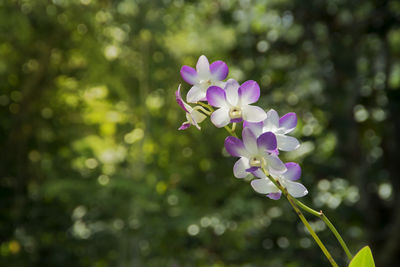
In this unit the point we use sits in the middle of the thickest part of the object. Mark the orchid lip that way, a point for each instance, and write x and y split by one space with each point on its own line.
206 83
257 162
235 113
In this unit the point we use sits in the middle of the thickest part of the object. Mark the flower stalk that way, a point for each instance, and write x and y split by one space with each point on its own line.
303 219
322 216
230 131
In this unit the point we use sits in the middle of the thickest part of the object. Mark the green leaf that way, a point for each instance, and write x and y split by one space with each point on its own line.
363 258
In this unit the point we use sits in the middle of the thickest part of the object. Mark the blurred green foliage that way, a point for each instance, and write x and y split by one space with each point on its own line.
93 171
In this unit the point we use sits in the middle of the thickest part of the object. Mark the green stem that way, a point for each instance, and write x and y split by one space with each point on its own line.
208 113
303 219
230 131
322 216
233 126
210 108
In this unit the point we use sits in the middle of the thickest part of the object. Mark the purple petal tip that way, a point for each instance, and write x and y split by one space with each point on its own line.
249 92
274 196
267 141
293 171
234 146
251 169
184 126
219 70
288 121
189 74
179 99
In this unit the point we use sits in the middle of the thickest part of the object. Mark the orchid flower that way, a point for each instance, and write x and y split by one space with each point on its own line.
280 127
254 153
193 116
204 76
265 186
263 135
233 103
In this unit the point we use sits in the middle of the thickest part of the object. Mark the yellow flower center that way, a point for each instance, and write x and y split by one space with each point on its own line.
205 83
235 113
257 161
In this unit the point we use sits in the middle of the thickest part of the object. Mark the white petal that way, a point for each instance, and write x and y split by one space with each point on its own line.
256 127
203 68
288 122
271 124
192 121
250 141
249 92
296 189
287 143
216 97
275 164
188 108
259 173
198 116
239 169
264 186
219 84
293 172
253 113
232 92
195 94
220 117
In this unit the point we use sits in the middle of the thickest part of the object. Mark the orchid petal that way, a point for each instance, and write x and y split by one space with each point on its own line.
235 147
252 169
239 169
231 89
220 117
253 113
184 126
203 68
179 99
275 196
288 122
236 120
296 189
293 171
220 84
216 96
275 164
264 186
189 75
197 116
250 141
259 173
191 120
195 94
272 121
266 142
287 143
256 127
249 92
219 70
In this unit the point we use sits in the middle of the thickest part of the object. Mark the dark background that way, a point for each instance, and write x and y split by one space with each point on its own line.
93 171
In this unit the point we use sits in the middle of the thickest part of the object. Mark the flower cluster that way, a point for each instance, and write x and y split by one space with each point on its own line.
264 134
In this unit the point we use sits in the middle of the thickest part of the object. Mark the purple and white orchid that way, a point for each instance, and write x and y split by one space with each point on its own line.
263 135
279 126
254 153
233 103
193 116
204 76
286 179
